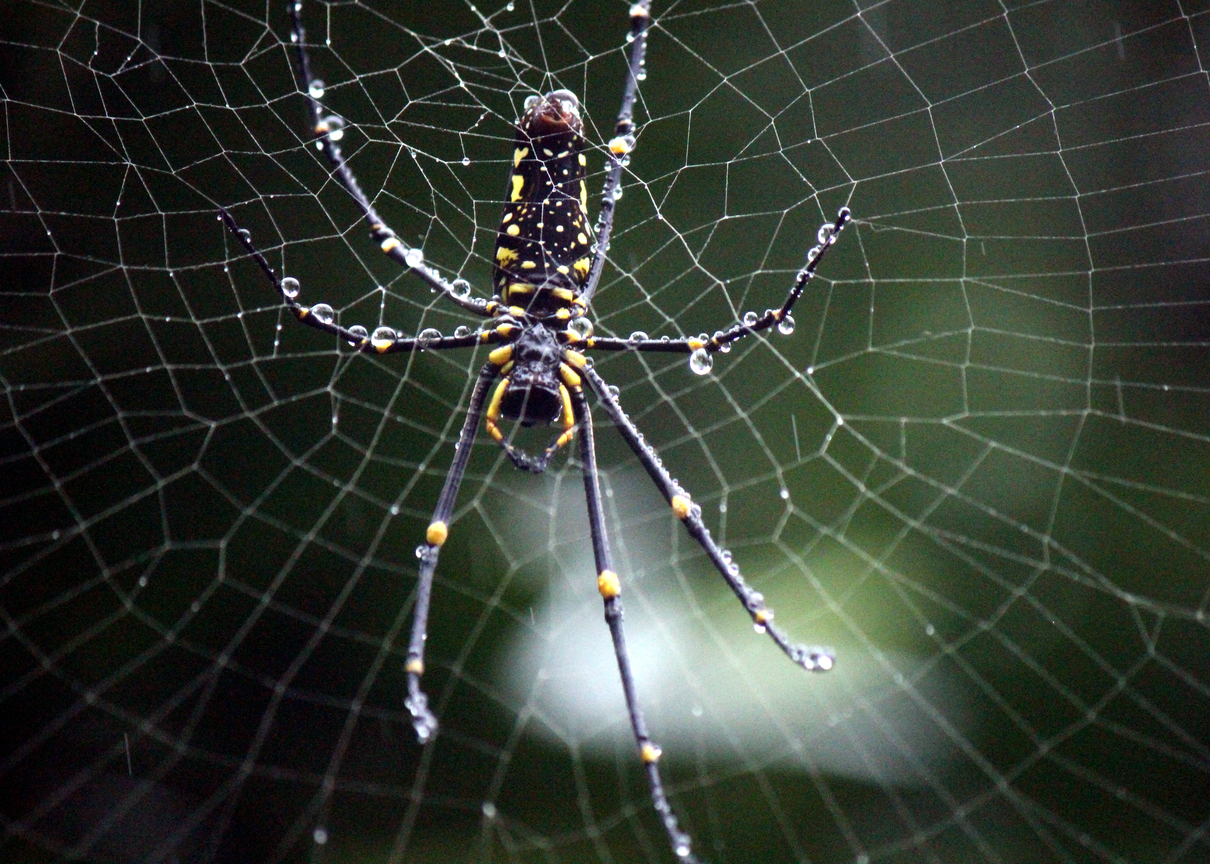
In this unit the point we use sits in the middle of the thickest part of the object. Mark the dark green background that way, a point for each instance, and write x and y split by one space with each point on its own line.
204 585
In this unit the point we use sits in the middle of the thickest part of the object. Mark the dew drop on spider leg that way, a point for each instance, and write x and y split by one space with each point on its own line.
427 337
582 327
462 331
461 287
290 287
383 337
323 312
786 325
413 257
700 361
749 318
360 333
638 336
316 90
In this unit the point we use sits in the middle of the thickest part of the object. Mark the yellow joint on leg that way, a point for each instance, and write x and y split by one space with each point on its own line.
414 666
651 753
569 416
680 506
501 355
569 376
575 358
516 311
390 244
608 584
493 412
695 344
762 616
436 533
564 294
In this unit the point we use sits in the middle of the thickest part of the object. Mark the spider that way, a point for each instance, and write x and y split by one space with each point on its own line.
547 265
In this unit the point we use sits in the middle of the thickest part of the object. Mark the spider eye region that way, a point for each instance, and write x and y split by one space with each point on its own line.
532 396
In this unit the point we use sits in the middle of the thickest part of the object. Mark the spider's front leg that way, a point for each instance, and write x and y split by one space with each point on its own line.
610 587
417 702
811 658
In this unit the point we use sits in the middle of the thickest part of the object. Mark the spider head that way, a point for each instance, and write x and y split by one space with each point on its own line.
533 395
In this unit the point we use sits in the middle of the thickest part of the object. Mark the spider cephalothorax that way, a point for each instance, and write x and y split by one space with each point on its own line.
546 267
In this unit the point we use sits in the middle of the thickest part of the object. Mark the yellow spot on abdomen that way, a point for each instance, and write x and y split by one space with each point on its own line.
520 154
518 182
513 230
505 256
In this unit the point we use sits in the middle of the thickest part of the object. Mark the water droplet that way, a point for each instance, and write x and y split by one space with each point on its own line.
749 318
614 391
323 312
531 101
785 494
786 325
427 337
316 89
462 331
336 127
701 362
244 234
320 836
488 808
511 6
501 53
466 160
759 628
825 234
637 336
383 337
359 333
815 252
617 192
682 851
290 287
461 287
413 257
394 509
582 327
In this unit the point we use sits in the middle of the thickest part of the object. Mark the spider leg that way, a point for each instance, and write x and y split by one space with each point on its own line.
610 588
813 658
752 323
622 143
383 340
417 702
328 130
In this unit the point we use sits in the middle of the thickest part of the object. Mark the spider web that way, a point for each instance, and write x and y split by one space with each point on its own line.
979 468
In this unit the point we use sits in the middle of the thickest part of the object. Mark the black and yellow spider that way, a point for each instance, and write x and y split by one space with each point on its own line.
548 261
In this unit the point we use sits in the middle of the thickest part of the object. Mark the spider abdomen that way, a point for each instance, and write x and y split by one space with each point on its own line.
544 243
